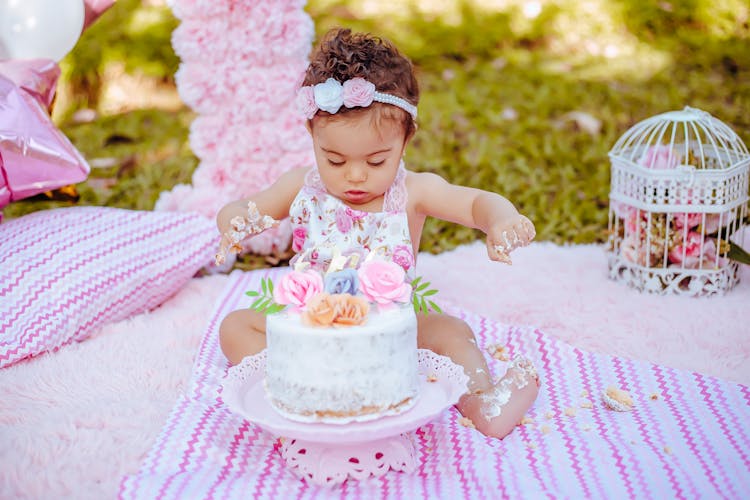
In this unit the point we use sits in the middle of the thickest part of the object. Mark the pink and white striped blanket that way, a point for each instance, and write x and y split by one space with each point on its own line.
688 437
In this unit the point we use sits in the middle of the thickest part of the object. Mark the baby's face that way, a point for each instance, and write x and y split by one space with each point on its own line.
357 160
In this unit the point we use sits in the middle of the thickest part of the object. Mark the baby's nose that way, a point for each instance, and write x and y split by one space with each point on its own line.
356 173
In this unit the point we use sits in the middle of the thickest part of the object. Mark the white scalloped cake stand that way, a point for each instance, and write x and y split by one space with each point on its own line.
329 453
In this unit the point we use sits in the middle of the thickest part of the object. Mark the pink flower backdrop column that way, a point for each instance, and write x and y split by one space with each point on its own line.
241 63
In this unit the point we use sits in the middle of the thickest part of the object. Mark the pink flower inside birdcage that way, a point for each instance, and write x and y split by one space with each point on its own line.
677 203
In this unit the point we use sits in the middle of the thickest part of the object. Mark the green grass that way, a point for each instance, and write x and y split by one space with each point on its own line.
497 89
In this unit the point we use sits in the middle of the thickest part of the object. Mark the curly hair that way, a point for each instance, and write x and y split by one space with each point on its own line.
343 55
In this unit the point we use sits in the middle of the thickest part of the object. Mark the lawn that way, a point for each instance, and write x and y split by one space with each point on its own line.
519 97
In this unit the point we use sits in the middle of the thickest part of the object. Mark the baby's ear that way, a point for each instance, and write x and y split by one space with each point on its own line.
308 126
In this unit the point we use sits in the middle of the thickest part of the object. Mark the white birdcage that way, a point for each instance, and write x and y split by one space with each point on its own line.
678 195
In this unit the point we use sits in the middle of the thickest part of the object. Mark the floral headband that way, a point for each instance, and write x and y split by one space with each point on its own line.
357 92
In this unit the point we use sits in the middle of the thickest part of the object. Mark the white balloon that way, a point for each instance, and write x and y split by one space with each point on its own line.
32 29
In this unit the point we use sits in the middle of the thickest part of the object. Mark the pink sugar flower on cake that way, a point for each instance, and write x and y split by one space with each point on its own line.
296 288
383 282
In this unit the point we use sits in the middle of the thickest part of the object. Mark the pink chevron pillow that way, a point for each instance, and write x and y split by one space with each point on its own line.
66 272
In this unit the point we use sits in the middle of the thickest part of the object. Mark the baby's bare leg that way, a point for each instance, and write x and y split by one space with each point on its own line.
495 409
242 333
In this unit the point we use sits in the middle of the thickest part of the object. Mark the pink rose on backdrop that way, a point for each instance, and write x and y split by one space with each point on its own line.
295 37
200 89
204 133
292 135
358 92
191 37
297 287
200 9
660 157
343 220
402 255
383 282
298 239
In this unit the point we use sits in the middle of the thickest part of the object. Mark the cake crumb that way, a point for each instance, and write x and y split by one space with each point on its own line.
546 429
667 450
587 404
586 427
530 445
549 415
654 396
617 399
432 378
466 422
584 393
498 352
527 420
570 411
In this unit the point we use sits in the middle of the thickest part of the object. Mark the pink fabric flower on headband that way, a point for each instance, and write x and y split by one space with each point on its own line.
358 92
306 102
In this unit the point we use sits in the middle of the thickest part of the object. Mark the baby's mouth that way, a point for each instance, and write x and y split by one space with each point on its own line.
355 195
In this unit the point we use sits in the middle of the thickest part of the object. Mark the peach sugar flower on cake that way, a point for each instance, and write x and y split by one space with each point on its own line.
335 310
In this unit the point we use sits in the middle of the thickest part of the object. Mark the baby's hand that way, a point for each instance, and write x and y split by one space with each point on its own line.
241 228
505 237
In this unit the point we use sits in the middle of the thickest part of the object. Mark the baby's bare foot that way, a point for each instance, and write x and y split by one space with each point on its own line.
498 410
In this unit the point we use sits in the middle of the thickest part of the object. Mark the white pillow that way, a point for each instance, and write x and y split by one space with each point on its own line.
66 272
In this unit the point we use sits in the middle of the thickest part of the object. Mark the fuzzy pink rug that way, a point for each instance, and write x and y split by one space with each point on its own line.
72 423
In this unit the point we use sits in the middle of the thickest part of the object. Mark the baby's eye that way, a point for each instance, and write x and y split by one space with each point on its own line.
335 163
375 163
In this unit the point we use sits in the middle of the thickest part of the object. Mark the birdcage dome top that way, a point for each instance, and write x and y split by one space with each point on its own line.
685 139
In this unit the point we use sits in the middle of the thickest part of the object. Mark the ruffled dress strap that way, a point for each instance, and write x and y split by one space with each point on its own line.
313 180
396 197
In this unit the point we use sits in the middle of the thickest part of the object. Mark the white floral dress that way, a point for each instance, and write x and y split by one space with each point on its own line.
321 223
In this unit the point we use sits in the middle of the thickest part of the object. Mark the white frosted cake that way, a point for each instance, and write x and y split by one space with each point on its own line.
329 373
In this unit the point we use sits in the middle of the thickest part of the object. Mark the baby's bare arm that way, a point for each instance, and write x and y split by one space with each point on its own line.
273 201
249 216
493 214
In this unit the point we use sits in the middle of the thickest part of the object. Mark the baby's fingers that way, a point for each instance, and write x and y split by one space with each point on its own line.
498 252
525 231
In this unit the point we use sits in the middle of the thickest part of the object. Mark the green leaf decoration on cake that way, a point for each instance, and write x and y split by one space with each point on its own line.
264 302
420 292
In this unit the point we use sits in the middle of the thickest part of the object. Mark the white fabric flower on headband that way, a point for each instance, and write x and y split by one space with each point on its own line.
330 95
